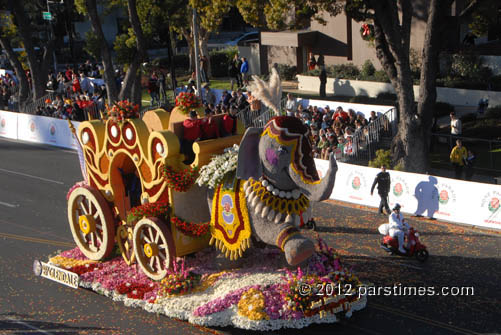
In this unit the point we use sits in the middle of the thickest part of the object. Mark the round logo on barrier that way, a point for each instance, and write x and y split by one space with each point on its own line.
398 189
32 126
52 129
494 205
444 197
2 123
227 205
356 183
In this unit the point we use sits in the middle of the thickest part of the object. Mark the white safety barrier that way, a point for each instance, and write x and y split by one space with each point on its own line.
453 200
8 124
38 129
442 198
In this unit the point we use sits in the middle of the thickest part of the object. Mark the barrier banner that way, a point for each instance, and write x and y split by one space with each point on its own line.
8 124
447 199
46 130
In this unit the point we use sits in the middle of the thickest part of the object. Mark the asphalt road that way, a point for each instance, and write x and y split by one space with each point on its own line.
33 224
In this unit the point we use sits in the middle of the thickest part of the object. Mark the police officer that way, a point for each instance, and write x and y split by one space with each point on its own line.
383 188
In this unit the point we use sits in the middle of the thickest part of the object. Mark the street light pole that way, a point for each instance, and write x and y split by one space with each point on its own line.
195 41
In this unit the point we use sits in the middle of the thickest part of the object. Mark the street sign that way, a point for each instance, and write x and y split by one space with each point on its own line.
47 16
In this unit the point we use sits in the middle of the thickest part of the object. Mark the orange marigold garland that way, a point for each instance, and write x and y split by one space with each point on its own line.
185 102
180 181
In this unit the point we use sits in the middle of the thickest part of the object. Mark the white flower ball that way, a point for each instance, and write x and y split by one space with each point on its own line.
296 194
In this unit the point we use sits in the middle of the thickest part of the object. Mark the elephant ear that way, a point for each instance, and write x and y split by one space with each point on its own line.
248 164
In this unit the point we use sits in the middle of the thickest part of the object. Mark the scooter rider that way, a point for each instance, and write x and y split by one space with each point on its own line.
398 227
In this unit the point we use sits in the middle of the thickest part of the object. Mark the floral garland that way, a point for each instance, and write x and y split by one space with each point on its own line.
220 166
122 110
159 209
179 280
367 32
190 228
180 181
185 102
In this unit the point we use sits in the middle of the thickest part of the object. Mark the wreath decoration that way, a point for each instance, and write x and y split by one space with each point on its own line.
180 181
185 102
367 32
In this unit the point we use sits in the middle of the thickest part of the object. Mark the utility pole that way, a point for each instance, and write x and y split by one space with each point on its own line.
197 53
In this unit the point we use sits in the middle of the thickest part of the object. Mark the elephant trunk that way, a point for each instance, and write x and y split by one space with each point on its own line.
321 190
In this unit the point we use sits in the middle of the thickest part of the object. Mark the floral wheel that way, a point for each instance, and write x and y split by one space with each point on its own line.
91 223
153 247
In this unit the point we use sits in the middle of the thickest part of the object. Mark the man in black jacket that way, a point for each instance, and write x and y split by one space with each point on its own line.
383 188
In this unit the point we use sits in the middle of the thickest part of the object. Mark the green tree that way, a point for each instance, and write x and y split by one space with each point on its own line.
20 29
392 28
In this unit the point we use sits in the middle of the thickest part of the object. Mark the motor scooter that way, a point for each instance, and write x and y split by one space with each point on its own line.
415 247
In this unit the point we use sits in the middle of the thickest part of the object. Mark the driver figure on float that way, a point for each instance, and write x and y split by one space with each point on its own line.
398 227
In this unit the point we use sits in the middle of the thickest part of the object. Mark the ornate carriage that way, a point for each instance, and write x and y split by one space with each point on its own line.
121 154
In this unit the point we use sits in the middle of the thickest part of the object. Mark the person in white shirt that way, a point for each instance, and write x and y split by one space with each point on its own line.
456 126
291 105
398 227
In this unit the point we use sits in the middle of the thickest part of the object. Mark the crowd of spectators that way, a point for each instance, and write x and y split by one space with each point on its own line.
332 130
8 89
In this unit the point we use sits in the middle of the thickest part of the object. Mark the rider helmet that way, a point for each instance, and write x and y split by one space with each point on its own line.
397 207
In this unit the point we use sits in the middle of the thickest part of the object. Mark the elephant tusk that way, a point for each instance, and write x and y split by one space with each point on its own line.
278 217
297 220
255 201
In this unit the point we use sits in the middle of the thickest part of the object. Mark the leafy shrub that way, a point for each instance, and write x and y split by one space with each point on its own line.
383 157
495 83
220 61
381 76
368 69
345 71
287 72
387 96
442 109
469 117
493 112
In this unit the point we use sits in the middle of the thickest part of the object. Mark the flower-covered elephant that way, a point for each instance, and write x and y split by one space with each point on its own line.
276 179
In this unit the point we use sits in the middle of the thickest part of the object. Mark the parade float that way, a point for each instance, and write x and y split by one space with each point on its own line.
214 242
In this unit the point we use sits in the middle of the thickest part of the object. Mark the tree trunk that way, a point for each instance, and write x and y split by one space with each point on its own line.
429 69
188 35
204 49
111 86
137 90
24 87
38 69
132 74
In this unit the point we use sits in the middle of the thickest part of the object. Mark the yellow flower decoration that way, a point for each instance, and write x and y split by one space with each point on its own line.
67 263
252 304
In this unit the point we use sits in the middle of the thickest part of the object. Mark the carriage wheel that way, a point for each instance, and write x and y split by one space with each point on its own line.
91 223
153 247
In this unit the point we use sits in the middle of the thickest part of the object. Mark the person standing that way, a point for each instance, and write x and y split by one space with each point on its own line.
204 69
323 81
244 70
456 126
457 157
153 88
383 182
291 105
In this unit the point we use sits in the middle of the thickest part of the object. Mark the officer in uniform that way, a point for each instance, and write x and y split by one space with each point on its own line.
383 188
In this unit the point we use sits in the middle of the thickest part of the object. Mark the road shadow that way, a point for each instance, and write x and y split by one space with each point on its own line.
426 194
